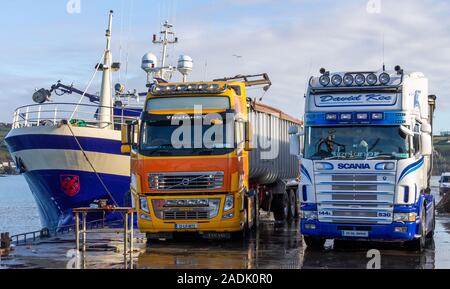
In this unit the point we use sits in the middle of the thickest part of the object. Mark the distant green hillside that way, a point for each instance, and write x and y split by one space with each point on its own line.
441 146
442 154
4 155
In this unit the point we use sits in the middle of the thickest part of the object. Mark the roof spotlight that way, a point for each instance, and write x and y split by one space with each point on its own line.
336 80
372 79
348 79
385 78
360 79
324 80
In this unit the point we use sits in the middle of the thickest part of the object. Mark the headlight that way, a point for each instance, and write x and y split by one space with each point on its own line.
405 217
385 78
360 79
336 80
348 79
324 166
309 215
144 205
372 79
229 203
377 116
324 80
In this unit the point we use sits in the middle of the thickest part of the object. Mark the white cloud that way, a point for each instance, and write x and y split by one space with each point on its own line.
293 41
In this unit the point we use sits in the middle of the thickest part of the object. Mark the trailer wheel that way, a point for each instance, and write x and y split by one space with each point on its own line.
292 204
419 244
314 243
256 211
280 207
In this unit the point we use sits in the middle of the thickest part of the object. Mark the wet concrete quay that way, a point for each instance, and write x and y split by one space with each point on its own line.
274 246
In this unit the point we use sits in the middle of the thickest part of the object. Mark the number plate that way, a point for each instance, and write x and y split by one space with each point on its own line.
185 226
360 234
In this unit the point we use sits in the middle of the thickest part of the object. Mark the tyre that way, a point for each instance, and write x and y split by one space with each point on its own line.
314 243
430 234
256 210
292 204
240 235
280 207
419 244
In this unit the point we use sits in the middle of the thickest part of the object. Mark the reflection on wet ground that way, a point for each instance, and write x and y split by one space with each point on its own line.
279 246
274 246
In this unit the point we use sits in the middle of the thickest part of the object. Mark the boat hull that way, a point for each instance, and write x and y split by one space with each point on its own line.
71 168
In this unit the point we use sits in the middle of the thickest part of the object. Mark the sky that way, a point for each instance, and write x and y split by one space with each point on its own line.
49 40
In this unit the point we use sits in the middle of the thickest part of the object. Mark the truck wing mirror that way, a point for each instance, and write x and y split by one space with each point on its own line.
406 130
426 128
295 145
248 137
127 133
427 144
296 130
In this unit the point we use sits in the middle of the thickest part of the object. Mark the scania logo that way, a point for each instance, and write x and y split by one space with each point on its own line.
353 166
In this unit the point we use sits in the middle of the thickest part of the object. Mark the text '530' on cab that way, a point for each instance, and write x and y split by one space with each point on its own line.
366 158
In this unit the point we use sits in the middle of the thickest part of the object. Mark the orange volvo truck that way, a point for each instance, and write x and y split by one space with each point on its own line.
205 159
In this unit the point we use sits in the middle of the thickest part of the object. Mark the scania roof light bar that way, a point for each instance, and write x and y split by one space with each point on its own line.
357 79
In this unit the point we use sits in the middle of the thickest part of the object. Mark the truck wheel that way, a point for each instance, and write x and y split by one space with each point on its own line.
314 243
280 207
291 205
430 235
419 244
256 210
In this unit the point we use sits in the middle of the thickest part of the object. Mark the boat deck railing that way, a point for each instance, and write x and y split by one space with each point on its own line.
85 115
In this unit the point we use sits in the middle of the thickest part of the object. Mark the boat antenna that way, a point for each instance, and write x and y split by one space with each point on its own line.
384 65
167 38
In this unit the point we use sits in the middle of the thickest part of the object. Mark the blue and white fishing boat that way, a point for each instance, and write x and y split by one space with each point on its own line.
69 152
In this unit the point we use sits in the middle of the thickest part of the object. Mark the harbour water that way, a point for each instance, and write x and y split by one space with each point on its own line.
18 210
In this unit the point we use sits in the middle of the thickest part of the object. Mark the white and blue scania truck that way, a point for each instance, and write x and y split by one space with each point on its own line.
366 158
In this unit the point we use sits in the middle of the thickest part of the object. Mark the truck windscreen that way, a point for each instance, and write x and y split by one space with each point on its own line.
356 143
160 136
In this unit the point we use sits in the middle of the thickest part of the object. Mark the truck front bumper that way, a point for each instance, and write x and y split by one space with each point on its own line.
395 232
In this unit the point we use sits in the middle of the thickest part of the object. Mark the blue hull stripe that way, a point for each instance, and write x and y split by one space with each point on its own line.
55 206
62 142
411 168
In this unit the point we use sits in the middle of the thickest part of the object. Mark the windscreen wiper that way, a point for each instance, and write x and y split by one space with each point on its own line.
381 156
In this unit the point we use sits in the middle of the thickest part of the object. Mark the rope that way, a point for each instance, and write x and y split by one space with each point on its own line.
88 86
92 166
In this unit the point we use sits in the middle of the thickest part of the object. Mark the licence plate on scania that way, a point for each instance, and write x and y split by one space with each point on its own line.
186 226
357 234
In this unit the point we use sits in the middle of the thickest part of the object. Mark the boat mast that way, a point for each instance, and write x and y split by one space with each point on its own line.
106 101
167 37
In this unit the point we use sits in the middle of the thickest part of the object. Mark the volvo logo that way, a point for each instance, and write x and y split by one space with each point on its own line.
186 182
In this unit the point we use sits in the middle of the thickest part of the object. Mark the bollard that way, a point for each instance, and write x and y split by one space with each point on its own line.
5 244
5 241
44 233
